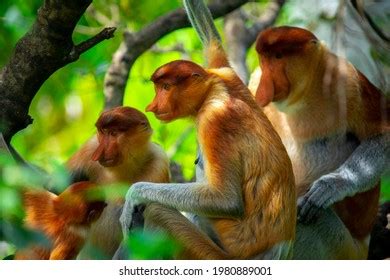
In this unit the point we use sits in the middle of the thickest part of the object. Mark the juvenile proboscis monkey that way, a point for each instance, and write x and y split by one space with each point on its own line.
326 237
64 219
121 152
334 124
247 196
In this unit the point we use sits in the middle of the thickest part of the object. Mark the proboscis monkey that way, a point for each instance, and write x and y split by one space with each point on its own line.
325 238
247 196
64 219
121 152
333 122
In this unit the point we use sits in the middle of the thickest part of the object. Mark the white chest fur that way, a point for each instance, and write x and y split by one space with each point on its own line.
312 159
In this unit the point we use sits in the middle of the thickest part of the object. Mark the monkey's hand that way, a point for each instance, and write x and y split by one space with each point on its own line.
324 192
131 210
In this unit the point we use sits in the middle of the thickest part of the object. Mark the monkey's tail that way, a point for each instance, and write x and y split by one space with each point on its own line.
200 17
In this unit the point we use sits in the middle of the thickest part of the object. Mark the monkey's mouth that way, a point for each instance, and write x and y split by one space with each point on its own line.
107 162
163 116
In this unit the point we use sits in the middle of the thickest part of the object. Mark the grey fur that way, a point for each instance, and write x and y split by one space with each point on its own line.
325 238
201 19
198 198
121 253
360 172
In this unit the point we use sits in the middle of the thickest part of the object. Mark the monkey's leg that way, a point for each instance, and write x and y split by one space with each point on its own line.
196 244
327 238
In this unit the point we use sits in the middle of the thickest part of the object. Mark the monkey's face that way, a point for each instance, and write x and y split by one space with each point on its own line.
120 130
284 53
116 145
107 152
180 90
274 84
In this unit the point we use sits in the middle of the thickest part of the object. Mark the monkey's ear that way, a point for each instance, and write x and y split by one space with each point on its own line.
144 123
196 75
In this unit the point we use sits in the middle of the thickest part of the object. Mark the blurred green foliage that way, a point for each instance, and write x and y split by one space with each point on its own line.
68 104
14 178
150 246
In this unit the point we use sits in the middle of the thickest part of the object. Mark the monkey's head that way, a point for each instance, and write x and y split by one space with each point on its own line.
79 204
120 131
181 87
287 56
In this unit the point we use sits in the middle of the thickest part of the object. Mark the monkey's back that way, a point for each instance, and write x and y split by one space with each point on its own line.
267 182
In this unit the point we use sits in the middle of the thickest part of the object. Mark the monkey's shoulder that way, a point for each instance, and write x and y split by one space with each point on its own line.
80 165
156 167
225 117
158 159
158 153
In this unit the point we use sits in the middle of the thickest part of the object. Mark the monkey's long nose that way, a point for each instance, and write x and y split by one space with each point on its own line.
152 107
98 154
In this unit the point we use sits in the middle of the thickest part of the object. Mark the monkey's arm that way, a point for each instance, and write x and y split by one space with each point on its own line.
361 171
199 198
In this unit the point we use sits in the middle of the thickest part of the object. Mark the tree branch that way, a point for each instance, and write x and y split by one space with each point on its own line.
81 48
267 19
134 44
358 6
240 37
45 48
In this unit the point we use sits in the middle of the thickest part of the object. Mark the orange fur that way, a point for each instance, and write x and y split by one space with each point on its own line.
63 219
241 150
315 95
121 152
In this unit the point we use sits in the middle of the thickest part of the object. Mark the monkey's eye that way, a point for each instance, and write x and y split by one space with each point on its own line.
166 86
113 133
278 55
144 125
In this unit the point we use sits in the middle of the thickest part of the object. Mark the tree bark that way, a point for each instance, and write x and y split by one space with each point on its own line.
45 48
240 37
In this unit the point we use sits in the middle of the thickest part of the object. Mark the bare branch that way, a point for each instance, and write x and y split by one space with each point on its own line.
364 15
81 48
175 48
236 41
240 37
135 44
267 19
44 49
